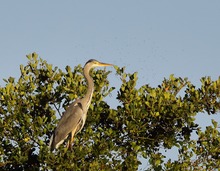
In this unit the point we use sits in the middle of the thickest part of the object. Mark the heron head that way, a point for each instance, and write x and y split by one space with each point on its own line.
94 63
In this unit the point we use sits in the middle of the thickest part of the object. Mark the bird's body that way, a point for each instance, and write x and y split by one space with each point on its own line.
74 117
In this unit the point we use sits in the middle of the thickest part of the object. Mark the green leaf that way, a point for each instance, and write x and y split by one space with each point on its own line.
215 124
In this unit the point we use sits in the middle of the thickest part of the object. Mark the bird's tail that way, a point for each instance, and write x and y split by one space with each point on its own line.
53 144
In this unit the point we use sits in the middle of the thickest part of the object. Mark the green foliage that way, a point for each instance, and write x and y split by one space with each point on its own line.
145 120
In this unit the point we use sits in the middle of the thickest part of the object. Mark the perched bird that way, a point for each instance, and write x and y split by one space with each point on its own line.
74 117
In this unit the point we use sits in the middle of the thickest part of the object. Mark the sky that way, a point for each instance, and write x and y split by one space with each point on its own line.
153 38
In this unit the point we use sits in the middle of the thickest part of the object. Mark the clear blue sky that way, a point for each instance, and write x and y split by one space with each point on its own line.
154 38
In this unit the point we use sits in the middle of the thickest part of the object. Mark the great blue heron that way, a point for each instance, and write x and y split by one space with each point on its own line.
74 117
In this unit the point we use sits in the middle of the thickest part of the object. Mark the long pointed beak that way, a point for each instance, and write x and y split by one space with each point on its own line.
104 64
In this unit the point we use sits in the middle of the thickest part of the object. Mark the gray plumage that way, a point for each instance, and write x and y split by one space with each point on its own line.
74 117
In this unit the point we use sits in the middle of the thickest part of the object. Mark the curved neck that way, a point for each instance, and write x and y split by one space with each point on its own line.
90 89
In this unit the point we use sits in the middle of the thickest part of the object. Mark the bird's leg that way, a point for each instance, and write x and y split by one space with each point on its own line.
71 140
68 144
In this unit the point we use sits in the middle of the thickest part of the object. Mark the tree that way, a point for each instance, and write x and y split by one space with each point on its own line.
145 120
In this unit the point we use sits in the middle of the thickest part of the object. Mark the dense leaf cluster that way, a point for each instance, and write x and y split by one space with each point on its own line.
145 120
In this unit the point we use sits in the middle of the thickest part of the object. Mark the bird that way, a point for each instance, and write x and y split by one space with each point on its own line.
73 119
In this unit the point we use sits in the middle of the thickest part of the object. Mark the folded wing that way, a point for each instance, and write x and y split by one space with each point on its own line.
69 122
